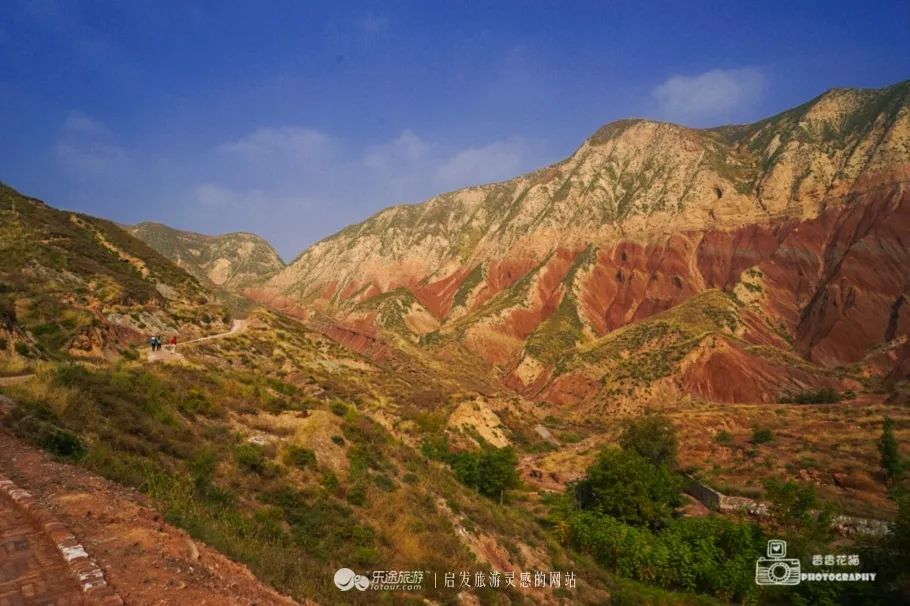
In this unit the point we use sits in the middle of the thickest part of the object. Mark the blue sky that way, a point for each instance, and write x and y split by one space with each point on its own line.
294 119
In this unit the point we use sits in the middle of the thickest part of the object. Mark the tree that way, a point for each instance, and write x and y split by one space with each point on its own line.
490 471
891 461
791 503
654 438
625 485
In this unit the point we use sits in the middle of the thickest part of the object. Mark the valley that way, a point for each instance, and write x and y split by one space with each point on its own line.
463 384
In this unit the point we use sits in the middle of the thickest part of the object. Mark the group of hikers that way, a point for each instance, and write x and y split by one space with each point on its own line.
156 343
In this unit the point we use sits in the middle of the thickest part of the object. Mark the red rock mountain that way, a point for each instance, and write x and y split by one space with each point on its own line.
733 263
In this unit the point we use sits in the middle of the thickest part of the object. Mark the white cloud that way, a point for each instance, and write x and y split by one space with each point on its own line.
215 195
713 96
492 162
292 143
295 183
86 146
406 149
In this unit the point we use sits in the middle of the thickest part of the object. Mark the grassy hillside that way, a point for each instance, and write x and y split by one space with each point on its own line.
71 283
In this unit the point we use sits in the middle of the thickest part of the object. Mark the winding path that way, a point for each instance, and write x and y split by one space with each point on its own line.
168 353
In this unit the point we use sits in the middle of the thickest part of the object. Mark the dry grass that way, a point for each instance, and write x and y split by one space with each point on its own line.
43 389
11 365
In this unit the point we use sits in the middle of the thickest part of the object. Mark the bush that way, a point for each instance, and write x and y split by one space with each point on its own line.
195 402
791 503
762 436
251 457
654 438
384 482
71 375
723 437
38 424
63 443
626 486
357 494
891 461
21 349
709 555
298 456
435 448
490 471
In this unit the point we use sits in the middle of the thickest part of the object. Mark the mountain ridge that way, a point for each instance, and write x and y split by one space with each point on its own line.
231 261
664 211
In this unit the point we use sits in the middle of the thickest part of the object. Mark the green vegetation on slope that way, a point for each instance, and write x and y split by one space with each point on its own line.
62 272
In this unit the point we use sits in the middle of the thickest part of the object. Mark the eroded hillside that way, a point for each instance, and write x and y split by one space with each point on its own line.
798 219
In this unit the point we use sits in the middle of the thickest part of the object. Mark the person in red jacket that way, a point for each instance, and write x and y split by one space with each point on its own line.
174 343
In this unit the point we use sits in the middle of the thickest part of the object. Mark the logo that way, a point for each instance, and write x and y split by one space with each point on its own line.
346 579
777 568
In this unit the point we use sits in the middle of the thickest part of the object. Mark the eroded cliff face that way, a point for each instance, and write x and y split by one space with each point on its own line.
765 257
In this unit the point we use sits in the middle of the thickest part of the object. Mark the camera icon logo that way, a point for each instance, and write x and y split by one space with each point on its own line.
777 568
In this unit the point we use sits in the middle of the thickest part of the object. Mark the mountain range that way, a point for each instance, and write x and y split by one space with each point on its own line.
423 389
734 263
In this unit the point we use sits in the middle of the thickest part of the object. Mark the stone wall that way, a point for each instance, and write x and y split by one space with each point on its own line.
717 501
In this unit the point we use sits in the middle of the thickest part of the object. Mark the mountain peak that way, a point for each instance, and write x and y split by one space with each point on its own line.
232 261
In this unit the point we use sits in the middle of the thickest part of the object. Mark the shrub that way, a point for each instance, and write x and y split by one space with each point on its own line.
762 436
435 448
195 402
723 437
298 456
338 440
71 375
654 438
63 443
791 503
625 485
384 482
21 349
709 555
357 494
330 481
490 471
38 424
891 461
251 457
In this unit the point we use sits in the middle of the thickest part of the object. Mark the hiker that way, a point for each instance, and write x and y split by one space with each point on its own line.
174 343
158 342
153 341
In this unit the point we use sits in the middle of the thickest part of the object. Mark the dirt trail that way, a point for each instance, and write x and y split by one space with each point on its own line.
169 353
144 559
